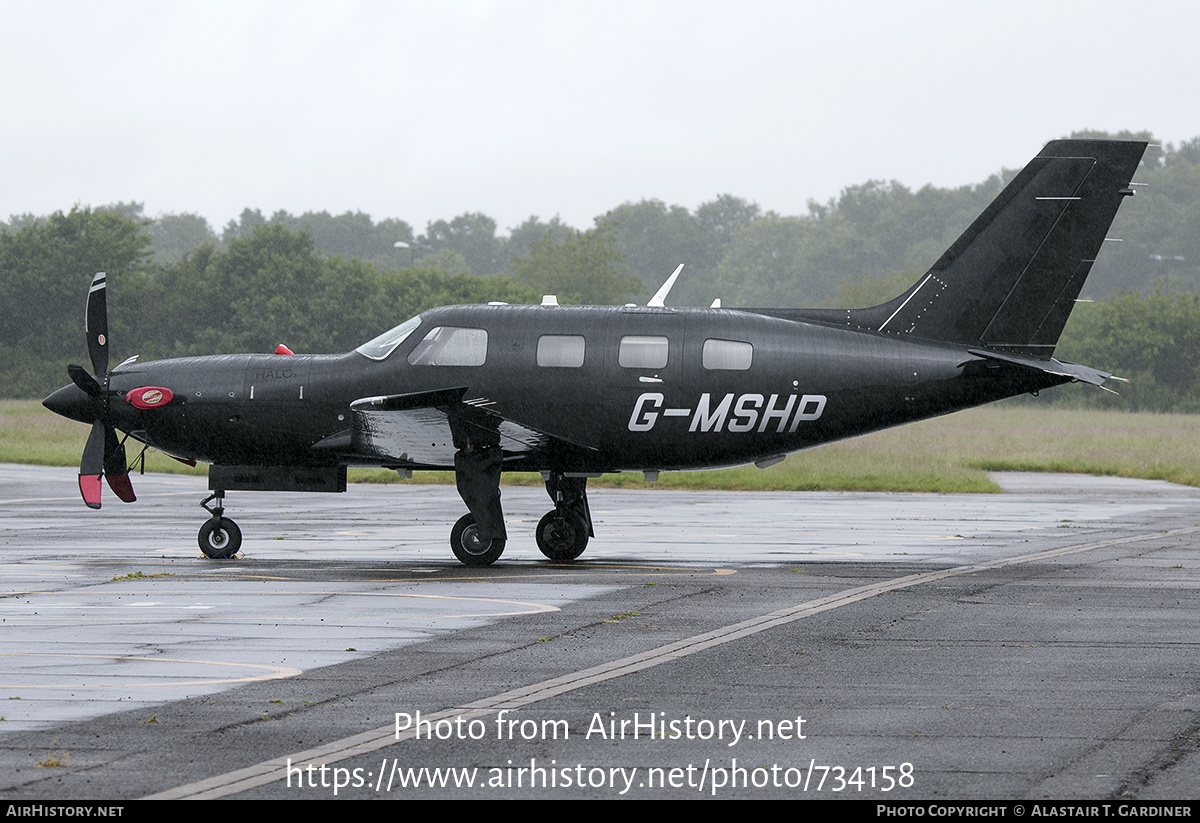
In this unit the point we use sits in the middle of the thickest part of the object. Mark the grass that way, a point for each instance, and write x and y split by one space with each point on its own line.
949 454
30 433
55 761
139 576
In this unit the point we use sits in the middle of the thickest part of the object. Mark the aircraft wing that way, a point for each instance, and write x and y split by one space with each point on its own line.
419 428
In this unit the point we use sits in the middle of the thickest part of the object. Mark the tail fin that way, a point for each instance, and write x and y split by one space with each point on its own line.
1010 281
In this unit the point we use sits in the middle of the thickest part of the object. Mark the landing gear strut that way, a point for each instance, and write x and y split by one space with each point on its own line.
478 538
219 537
562 534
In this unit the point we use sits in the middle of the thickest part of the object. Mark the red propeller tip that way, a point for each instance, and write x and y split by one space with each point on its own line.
120 485
89 487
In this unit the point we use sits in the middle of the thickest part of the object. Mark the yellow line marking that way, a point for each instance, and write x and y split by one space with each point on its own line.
273 672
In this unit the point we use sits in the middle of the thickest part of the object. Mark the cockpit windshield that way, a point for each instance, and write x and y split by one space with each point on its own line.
386 343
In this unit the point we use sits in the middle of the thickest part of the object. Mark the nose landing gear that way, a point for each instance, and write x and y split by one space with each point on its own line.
219 537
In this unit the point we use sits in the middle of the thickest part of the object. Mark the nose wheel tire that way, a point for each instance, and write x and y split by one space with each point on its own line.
562 537
220 538
469 548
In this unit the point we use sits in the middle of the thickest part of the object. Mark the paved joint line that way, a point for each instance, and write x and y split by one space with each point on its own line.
270 771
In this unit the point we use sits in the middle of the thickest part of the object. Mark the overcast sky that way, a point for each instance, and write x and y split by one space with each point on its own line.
425 110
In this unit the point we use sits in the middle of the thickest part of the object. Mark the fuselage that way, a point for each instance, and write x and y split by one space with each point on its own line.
615 388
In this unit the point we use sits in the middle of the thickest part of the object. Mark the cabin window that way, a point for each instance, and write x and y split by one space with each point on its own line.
386 343
563 351
731 355
451 346
643 352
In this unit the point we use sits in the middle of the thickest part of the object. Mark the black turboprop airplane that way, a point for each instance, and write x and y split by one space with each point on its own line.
577 391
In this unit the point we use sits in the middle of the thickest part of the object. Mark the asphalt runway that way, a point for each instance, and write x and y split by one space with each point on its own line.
1043 643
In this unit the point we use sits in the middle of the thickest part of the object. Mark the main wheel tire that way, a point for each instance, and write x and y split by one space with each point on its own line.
562 538
469 548
220 538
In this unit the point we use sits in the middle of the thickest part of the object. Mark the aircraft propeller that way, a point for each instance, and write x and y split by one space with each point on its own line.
104 453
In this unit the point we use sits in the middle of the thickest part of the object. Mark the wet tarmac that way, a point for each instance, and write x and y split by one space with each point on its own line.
1041 643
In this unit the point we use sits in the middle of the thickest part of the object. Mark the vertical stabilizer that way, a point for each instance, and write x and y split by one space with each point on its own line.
1010 281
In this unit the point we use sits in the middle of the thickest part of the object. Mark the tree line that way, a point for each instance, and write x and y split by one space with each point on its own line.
745 255
251 293
737 251
323 283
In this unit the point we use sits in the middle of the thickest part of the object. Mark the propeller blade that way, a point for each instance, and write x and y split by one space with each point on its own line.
97 324
116 469
85 381
121 486
114 452
104 453
91 467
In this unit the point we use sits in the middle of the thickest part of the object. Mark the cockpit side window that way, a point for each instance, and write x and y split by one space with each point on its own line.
386 343
451 346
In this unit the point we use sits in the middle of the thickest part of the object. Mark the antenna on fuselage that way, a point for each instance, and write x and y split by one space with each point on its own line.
661 295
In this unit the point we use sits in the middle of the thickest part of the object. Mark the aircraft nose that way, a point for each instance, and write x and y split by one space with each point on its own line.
72 402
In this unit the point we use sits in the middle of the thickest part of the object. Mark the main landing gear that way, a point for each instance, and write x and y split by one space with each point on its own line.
470 547
478 538
220 538
562 533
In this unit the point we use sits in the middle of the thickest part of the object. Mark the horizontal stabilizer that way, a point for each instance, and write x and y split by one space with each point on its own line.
1073 371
